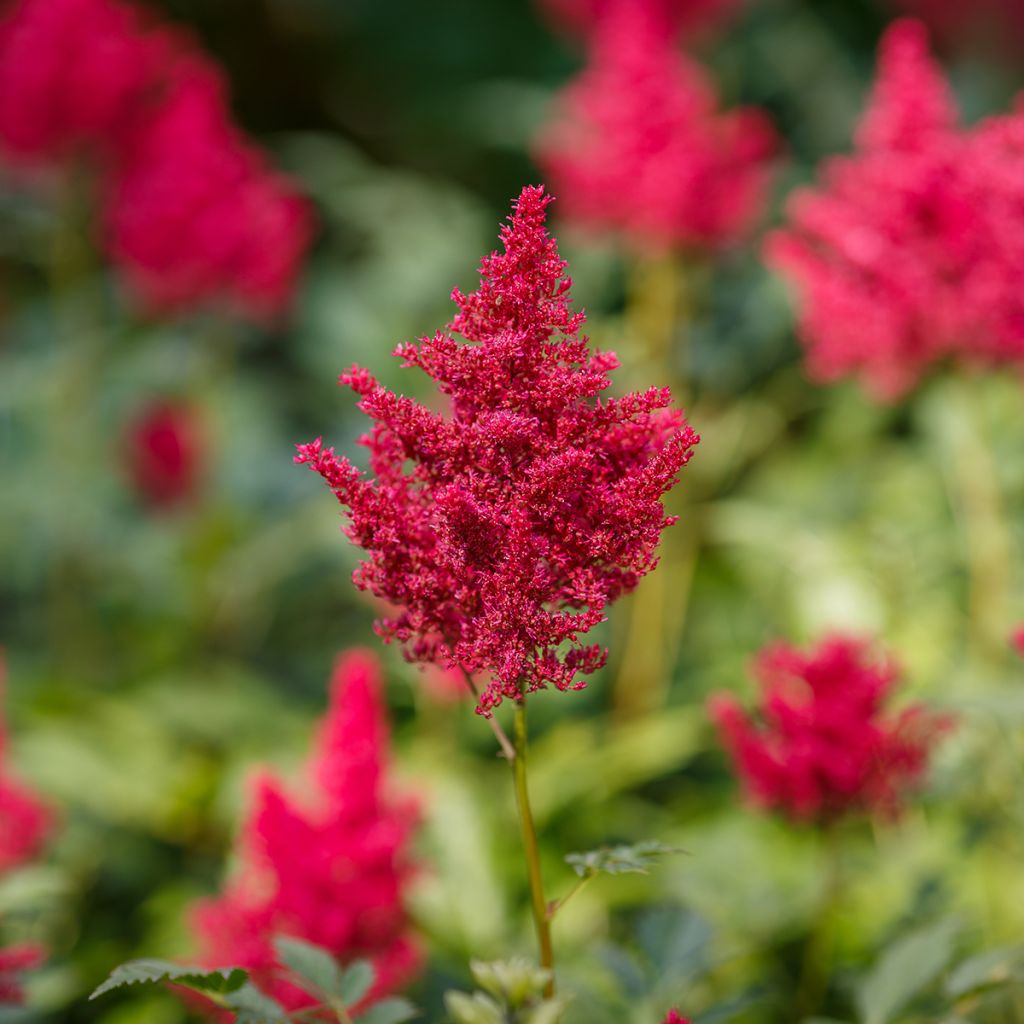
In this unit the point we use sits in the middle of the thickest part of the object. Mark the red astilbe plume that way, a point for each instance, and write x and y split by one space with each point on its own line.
502 531
74 74
164 453
24 819
637 145
192 214
674 1017
824 744
904 255
678 17
331 871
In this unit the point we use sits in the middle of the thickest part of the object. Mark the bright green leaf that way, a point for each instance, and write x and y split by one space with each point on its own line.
618 860
313 968
473 1009
221 980
905 969
389 1011
356 981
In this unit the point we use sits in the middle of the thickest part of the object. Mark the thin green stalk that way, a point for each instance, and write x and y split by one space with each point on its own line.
820 948
531 847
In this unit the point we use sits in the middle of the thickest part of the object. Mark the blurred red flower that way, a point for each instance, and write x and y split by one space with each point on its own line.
14 961
331 870
674 1017
638 146
683 17
503 530
825 745
192 213
912 249
165 451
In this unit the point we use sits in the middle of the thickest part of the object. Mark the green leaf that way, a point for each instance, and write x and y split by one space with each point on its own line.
550 1011
356 981
253 1007
312 968
515 981
473 1009
993 967
905 969
389 1011
221 980
618 860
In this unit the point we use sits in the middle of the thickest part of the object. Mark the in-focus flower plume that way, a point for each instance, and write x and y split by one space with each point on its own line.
824 744
191 212
637 145
24 825
503 530
908 252
332 869
679 17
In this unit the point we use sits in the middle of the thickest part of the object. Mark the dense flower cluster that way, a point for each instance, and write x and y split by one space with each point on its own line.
637 145
191 212
683 17
24 823
502 531
331 871
826 745
164 453
912 250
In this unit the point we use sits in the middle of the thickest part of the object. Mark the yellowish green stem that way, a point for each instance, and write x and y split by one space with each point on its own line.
531 847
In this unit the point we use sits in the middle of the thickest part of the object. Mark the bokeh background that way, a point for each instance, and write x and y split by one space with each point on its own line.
157 652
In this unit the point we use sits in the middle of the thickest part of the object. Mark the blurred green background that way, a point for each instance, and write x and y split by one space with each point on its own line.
156 656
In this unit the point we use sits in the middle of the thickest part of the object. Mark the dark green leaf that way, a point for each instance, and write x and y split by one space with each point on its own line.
221 980
618 860
313 968
905 969
389 1011
356 981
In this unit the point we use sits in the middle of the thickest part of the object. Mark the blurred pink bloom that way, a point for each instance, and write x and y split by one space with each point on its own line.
824 745
331 870
503 530
444 685
678 17
14 961
912 249
638 146
74 74
673 1017
24 819
192 213
1017 639
165 453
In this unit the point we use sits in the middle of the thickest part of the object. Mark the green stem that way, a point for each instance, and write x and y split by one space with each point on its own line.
532 850
820 948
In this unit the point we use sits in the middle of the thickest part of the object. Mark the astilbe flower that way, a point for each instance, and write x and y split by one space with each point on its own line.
679 17
24 824
164 453
333 870
637 145
825 744
502 531
904 255
191 213
674 1017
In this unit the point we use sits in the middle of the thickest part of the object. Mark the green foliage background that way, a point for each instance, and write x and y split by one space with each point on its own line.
155 659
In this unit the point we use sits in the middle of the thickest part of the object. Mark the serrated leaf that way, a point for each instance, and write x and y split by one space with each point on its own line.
619 860
356 981
253 1007
904 970
389 1011
313 968
993 967
515 981
221 980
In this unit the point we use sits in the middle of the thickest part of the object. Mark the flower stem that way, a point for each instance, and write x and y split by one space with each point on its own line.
532 850
820 948
507 750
